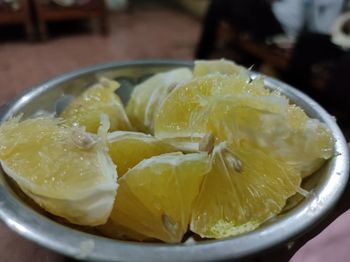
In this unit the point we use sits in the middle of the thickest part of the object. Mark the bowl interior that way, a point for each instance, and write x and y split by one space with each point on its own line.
326 185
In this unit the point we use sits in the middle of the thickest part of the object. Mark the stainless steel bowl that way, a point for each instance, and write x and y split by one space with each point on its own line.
327 185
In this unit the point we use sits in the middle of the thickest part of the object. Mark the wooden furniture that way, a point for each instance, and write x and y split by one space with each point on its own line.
270 55
22 15
49 11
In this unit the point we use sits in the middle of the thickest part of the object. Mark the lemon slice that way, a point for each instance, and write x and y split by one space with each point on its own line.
244 188
65 170
147 97
155 197
128 148
99 99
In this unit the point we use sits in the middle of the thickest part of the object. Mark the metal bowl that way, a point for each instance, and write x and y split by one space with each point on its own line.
326 185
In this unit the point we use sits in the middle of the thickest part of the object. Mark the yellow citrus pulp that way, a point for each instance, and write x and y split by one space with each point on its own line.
241 109
184 112
128 148
147 97
248 149
244 188
86 109
222 66
270 123
65 170
155 197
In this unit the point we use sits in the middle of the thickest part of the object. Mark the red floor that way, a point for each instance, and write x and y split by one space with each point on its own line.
148 33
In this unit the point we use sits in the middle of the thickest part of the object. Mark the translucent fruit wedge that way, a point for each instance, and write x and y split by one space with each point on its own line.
271 123
155 197
234 109
99 99
184 113
147 97
245 187
65 170
222 66
128 148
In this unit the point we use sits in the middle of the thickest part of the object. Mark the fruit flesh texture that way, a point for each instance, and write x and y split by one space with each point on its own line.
65 179
155 197
268 119
127 149
279 128
86 109
222 66
148 96
244 188
244 112
183 113
208 109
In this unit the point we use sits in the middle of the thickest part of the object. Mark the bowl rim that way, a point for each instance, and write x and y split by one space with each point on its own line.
40 229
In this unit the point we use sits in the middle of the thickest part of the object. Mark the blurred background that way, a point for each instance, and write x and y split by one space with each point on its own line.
303 42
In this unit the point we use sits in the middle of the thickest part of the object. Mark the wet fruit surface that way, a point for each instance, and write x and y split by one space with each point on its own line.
210 152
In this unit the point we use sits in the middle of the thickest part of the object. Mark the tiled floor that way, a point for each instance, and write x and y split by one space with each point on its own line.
150 32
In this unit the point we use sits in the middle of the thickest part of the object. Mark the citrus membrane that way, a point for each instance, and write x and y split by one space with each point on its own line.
63 169
245 150
222 66
147 97
239 108
184 113
244 188
85 110
270 122
155 197
128 148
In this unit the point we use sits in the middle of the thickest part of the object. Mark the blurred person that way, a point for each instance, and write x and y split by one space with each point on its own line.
320 64
263 19
320 68
332 244
250 16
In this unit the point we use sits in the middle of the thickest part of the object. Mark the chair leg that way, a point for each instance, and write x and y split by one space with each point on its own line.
102 18
130 8
103 25
42 30
28 20
29 31
41 19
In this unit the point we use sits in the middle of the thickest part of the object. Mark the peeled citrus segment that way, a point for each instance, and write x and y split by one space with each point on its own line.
244 188
147 97
65 170
222 66
273 124
128 148
235 109
86 109
155 197
184 113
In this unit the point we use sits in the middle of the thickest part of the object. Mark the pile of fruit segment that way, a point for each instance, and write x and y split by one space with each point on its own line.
210 151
